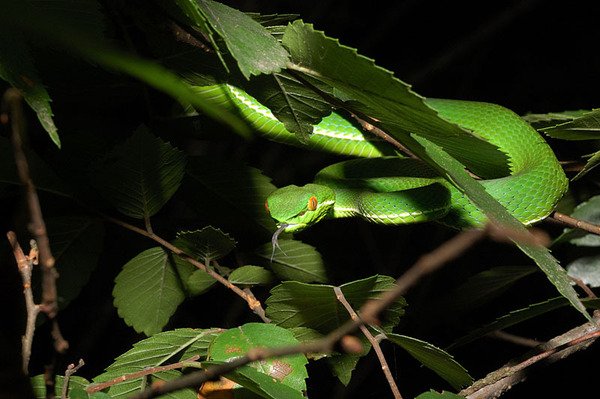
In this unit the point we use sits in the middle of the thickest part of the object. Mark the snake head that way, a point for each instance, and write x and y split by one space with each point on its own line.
296 208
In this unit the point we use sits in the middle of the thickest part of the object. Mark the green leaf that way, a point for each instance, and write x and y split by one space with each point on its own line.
163 348
251 45
439 395
588 211
592 162
374 91
231 196
147 291
584 127
305 334
77 243
251 275
294 304
78 393
298 305
199 282
295 260
343 365
143 175
291 101
586 269
252 384
206 244
551 119
100 395
289 370
39 386
435 359
17 68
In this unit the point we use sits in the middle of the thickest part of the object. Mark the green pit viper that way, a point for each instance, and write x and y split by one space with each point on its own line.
395 190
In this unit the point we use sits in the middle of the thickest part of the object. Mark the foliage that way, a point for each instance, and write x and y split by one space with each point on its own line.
163 171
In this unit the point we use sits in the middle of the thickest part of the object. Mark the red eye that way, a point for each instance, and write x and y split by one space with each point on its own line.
312 203
267 207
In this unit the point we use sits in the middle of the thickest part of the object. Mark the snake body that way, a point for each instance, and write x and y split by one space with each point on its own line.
393 190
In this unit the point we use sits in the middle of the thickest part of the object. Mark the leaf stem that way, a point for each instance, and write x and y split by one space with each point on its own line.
575 223
138 374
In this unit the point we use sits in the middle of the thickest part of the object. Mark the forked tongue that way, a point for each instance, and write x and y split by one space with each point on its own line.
274 241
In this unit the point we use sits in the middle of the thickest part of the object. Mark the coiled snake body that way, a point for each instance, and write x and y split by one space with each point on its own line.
394 190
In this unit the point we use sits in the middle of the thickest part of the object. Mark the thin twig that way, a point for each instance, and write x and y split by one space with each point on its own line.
71 369
12 112
584 287
369 127
37 226
575 223
497 382
25 265
147 371
252 302
374 342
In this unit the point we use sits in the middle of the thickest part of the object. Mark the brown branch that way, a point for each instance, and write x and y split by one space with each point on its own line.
71 369
369 127
252 302
12 112
25 266
132 376
575 223
374 342
37 226
497 382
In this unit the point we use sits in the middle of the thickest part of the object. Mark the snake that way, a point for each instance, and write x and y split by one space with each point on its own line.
382 187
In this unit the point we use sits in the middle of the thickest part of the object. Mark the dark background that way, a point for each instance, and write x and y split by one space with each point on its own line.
530 56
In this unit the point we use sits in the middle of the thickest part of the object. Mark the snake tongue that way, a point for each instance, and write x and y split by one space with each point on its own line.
274 241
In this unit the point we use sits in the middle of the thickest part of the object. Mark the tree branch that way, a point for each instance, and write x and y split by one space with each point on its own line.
132 376
37 227
71 369
25 265
497 382
575 223
12 112
374 342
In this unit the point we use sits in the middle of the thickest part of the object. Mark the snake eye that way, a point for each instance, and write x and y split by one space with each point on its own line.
267 207
312 203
